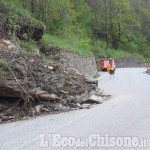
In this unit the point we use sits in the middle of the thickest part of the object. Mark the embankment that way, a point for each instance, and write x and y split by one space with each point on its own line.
85 64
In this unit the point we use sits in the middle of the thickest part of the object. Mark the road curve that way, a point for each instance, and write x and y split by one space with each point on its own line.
126 114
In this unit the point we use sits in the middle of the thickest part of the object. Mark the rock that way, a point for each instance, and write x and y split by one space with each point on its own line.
64 102
90 80
50 67
60 107
38 91
33 111
94 99
48 97
5 118
38 108
5 44
45 66
73 105
26 118
106 97
79 106
44 110
85 106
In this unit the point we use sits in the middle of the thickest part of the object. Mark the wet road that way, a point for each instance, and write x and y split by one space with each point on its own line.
126 114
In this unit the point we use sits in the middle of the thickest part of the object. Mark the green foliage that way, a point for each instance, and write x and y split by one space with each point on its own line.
146 53
16 10
3 64
3 67
12 24
80 46
43 57
102 51
118 28
29 46
136 43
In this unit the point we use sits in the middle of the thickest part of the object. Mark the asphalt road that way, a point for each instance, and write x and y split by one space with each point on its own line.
126 114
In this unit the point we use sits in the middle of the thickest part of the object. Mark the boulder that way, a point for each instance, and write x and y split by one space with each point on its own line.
48 97
94 99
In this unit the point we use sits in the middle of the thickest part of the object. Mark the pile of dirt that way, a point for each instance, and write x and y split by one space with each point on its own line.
30 86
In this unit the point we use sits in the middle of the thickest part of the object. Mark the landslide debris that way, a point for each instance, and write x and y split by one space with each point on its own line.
30 86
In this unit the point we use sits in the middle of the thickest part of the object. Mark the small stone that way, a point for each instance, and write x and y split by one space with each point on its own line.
32 60
96 99
44 109
60 107
11 47
50 67
25 118
38 108
86 106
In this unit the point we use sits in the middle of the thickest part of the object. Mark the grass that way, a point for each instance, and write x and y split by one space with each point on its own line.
29 46
3 67
78 46
43 57
3 63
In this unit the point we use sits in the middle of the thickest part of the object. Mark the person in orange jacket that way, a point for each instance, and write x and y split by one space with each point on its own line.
108 67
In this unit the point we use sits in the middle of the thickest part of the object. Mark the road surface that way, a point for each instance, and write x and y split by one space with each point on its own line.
126 114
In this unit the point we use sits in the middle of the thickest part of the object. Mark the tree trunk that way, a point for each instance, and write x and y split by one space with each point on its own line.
32 6
106 22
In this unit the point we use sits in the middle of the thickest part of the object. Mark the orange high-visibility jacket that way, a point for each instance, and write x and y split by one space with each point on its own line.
108 67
